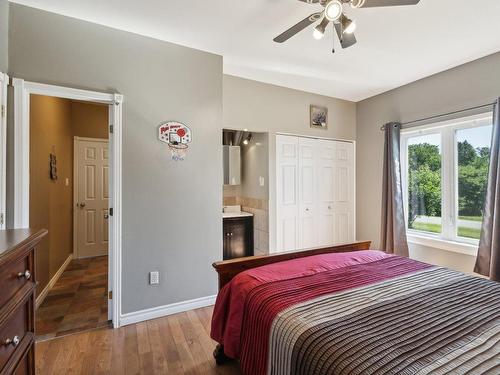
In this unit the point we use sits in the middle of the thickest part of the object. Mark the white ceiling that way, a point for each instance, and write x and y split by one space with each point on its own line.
396 45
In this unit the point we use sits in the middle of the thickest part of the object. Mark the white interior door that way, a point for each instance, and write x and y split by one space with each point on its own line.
307 214
287 151
4 81
326 192
344 194
91 197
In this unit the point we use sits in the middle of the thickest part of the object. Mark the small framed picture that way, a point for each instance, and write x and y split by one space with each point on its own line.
319 117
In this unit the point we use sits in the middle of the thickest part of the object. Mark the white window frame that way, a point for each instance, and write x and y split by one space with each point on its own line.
448 239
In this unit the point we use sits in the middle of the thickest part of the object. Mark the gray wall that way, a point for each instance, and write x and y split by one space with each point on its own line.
169 223
254 164
263 107
468 85
4 35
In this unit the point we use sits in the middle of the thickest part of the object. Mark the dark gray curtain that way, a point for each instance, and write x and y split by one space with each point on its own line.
393 233
488 257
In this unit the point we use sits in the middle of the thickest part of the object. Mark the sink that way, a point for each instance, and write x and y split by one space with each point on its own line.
234 211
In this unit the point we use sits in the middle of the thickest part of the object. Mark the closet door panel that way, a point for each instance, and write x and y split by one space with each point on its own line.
287 153
307 193
344 193
326 192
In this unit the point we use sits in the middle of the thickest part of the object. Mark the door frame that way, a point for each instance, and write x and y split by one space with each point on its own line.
4 81
76 149
22 91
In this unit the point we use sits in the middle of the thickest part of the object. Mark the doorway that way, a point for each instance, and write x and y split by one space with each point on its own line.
69 197
101 263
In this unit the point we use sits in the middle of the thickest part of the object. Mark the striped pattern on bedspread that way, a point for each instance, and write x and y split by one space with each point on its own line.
420 320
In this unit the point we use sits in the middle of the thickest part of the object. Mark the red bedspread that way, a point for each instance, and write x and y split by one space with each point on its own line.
229 309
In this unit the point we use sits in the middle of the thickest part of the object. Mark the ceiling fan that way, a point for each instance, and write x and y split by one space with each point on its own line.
334 12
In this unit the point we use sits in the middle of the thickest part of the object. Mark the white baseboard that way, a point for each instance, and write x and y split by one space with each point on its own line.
160 311
41 296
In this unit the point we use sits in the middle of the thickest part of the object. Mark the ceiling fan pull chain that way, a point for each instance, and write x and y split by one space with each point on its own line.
333 39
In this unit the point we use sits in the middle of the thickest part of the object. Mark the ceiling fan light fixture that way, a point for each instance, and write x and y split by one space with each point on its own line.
348 25
318 33
333 10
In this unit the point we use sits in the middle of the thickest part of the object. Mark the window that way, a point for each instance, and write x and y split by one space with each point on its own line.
445 172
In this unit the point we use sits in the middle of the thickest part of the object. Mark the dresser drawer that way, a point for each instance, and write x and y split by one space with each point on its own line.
13 332
24 366
13 277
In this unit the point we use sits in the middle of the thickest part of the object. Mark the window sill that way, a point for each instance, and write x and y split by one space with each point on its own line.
438 243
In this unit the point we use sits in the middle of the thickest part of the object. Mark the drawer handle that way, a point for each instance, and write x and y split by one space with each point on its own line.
26 274
14 341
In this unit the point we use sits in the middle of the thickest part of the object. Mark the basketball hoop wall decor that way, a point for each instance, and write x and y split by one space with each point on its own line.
177 136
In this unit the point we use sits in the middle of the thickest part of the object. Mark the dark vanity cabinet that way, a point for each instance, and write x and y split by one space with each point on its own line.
238 237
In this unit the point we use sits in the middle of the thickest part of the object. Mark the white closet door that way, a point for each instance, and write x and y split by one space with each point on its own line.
307 216
287 157
344 194
326 192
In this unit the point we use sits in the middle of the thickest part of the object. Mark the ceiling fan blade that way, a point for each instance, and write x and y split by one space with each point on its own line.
310 1
298 27
346 40
387 3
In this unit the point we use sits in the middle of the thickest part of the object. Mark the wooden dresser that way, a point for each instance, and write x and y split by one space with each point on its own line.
17 300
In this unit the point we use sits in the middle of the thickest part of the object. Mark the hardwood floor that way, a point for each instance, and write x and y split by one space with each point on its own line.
77 302
176 344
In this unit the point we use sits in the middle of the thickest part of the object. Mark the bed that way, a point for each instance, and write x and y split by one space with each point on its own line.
349 310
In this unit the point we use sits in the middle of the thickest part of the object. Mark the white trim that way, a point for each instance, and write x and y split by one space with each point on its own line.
76 184
22 92
439 243
21 154
161 311
316 137
4 81
41 297
90 139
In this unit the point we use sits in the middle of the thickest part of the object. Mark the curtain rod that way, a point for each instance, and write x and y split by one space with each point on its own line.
405 124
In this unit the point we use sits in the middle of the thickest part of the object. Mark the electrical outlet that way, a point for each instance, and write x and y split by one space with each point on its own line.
154 278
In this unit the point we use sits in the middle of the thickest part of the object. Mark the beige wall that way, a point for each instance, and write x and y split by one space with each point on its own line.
51 200
466 86
89 120
53 124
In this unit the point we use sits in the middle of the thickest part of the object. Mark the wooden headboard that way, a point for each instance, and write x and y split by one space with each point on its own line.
230 268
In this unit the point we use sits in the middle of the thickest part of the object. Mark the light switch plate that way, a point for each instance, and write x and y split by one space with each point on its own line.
261 181
154 278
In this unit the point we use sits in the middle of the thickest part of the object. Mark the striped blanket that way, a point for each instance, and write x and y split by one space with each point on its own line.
390 316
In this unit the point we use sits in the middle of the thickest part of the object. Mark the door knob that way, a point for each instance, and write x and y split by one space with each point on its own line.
106 216
81 204
12 341
26 274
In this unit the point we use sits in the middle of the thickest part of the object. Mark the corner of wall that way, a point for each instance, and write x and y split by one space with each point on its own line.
4 36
